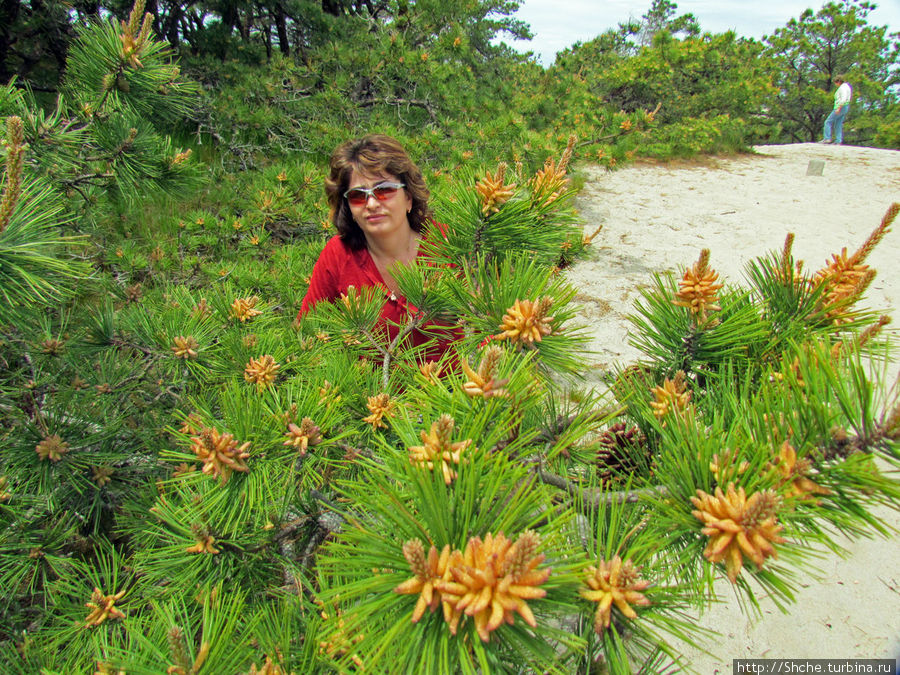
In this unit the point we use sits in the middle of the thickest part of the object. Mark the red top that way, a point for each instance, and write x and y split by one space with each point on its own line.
340 267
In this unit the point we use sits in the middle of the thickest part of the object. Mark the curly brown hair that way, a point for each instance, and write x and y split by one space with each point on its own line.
373 154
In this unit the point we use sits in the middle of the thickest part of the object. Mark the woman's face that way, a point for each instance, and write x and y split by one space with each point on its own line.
380 218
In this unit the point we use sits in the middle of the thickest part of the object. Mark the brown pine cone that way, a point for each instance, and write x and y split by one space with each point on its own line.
622 451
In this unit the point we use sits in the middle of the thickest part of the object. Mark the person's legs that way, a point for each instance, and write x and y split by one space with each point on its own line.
829 122
839 126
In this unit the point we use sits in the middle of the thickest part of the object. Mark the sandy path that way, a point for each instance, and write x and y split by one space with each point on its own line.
657 218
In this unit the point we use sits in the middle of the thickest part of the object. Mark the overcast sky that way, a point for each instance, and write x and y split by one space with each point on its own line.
558 24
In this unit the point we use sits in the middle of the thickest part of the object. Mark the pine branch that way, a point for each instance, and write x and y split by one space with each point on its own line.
291 528
876 236
122 148
603 139
141 373
37 403
223 277
121 343
395 101
286 532
376 344
842 445
75 181
360 452
413 323
616 134
106 91
78 189
550 433
328 522
594 498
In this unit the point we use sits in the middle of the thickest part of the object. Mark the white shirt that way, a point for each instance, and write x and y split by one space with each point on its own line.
842 95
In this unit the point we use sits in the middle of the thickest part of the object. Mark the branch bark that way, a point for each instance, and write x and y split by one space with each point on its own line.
595 498
395 101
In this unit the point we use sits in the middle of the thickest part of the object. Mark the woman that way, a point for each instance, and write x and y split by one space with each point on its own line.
379 204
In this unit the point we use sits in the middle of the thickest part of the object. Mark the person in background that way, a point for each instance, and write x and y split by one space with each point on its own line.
379 205
835 120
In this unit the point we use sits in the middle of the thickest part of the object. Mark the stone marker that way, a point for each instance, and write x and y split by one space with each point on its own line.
815 168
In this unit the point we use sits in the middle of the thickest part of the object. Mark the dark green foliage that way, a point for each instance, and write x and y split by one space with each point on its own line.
34 266
34 37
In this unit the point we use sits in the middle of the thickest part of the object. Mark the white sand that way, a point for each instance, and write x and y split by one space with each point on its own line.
657 218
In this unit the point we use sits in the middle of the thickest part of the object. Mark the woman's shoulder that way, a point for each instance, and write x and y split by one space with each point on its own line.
337 248
339 256
335 243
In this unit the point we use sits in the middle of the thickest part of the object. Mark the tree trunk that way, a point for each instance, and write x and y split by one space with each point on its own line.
230 17
171 28
244 28
281 25
9 11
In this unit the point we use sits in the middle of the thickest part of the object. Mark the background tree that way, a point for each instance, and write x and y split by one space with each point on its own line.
662 17
704 91
34 38
811 49
426 73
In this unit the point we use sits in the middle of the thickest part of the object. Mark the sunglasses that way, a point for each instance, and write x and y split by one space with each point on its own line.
382 192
